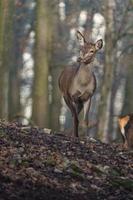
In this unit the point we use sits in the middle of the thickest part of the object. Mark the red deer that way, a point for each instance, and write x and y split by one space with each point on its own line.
77 83
126 127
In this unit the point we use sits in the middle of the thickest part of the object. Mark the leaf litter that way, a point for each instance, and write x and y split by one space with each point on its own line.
38 166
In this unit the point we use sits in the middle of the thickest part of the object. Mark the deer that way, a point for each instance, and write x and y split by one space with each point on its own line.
126 126
77 82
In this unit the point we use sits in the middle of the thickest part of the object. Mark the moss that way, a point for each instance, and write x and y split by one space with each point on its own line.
120 182
50 162
75 168
2 134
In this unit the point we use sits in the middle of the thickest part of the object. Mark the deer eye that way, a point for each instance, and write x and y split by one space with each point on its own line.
91 51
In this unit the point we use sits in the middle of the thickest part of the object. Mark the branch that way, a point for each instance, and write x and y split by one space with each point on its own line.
123 35
126 49
120 33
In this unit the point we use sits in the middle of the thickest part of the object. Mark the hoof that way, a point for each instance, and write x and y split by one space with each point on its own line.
125 146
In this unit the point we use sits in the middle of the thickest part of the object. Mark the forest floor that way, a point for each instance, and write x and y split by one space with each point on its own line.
39 166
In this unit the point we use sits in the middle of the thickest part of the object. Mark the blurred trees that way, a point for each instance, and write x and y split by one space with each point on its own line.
118 44
29 81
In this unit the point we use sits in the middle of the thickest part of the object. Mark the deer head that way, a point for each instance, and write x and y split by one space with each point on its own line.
87 49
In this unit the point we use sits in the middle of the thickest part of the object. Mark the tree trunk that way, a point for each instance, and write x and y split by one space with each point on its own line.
6 21
108 73
128 100
14 107
14 71
40 107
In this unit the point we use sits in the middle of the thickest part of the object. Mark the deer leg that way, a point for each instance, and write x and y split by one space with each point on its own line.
73 110
69 104
124 138
125 145
86 107
76 124
79 106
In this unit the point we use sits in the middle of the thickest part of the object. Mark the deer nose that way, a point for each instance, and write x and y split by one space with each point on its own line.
87 56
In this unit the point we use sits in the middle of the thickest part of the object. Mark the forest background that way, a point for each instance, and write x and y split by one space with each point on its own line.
38 39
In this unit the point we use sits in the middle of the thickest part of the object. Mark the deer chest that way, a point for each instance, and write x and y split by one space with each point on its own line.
83 87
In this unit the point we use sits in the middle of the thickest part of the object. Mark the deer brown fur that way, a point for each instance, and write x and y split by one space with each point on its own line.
126 127
77 83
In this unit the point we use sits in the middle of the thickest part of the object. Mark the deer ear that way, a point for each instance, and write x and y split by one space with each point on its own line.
99 44
80 38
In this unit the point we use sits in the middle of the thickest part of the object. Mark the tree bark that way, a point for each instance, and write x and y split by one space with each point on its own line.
14 71
104 114
40 107
128 103
6 21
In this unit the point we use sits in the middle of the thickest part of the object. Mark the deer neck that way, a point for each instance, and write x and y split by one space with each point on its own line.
86 68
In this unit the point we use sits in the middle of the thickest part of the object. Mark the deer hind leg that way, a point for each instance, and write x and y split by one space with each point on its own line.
72 107
76 124
125 144
124 138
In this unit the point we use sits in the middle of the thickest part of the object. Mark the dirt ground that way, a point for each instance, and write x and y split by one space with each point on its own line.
39 166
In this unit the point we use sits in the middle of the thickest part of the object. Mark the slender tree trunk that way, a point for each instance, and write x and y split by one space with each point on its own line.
14 72
55 70
128 100
56 98
40 107
108 73
14 92
6 20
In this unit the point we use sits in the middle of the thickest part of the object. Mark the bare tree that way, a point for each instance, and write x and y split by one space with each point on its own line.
43 28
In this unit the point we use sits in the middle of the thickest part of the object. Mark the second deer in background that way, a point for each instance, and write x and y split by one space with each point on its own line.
77 83
126 127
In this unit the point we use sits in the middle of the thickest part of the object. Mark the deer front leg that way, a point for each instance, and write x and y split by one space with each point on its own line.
75 119
72 107
76 124
86 107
